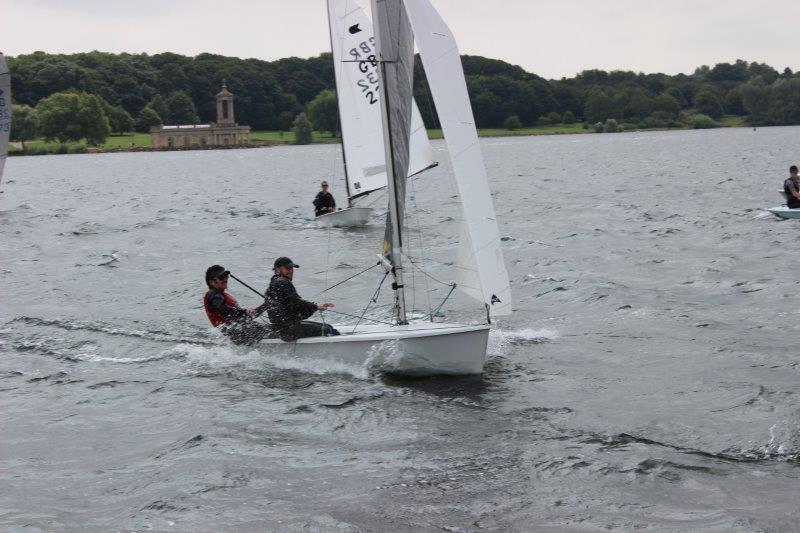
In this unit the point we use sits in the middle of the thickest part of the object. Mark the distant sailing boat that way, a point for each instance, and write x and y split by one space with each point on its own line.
423 347
358 95
5 112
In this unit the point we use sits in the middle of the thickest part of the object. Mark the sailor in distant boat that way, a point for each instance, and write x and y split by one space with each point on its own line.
225 314
792 189
324 202
287 311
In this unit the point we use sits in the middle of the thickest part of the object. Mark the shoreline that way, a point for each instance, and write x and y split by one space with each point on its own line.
433 134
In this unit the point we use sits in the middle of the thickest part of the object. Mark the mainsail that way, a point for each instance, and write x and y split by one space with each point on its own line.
395 60
480 268
5 111
358 93
395 42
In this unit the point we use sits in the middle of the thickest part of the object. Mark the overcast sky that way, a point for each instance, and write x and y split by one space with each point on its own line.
552 38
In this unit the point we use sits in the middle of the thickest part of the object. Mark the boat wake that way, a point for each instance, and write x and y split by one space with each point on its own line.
763 215
98 327
229 357
783 446
500 340
94 342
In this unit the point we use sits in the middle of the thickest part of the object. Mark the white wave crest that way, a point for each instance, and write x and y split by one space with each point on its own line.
387 356
499 340
94 358
249 358
762 215
783 441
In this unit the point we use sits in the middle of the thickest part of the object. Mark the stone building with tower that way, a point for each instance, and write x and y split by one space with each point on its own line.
224 132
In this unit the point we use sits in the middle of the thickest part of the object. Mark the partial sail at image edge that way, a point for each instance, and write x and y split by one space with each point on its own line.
5 112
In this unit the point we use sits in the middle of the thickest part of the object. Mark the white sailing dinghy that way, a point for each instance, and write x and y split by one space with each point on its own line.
784 212
358 95
5 112
424 347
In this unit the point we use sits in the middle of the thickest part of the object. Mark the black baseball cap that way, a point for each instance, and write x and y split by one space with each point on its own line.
216 271
284 262
793 168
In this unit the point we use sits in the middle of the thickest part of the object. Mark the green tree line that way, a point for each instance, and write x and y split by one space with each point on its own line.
139 90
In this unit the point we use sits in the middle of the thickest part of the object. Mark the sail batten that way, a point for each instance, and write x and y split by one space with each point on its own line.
5 112
480 269
358 93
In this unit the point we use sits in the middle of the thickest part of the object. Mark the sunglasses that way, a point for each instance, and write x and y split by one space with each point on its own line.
221 278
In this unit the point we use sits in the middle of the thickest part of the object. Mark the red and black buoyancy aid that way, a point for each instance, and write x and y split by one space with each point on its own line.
218 319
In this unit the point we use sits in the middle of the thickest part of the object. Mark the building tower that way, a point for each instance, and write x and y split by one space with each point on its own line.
225 107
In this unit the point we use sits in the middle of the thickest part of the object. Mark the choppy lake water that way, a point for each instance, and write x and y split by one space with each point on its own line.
648 378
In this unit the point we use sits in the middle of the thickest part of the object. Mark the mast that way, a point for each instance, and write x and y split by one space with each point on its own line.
338 109
396 246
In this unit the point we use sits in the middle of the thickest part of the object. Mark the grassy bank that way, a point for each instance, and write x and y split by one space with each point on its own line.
556 129
114 142
142 140
288 136
731 121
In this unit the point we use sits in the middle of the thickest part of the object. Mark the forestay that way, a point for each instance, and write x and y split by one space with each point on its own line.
480 268
5 111
353 47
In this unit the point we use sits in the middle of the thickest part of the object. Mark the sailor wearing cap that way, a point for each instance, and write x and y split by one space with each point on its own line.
287 311
225 314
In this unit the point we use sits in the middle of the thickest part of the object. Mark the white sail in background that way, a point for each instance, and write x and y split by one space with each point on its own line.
5 112
480 268
353 47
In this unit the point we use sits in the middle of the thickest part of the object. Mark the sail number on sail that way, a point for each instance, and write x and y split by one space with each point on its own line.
367 63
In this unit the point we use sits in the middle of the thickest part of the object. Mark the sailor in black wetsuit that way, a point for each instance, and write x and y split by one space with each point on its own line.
225 314
287 311
324 202
792 189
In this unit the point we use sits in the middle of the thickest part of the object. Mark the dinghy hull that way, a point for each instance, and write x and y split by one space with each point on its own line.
417 349
784 212
345 218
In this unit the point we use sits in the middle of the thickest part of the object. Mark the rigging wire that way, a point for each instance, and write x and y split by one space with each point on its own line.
346 279
434 312
372 300
327 252
417 64
365 318
347 193
360 318
421 249
415 264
